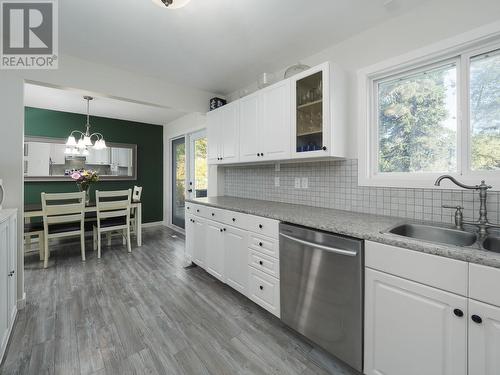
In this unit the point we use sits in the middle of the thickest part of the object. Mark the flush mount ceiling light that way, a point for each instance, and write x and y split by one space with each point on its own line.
74 147
171 4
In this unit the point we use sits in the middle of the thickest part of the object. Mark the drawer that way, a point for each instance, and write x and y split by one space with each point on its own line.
236 219
436 271
484 283
211 213
194 209
267 246
264 290
264 263
262 225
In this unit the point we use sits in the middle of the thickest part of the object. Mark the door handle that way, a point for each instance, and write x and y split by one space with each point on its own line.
349 253
190 190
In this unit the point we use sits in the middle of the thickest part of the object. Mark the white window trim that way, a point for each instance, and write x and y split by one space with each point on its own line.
465 45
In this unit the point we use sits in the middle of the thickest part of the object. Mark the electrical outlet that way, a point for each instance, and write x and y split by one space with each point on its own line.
305 182
297 182
276 181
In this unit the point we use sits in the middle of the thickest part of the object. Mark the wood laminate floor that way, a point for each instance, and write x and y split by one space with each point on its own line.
143 313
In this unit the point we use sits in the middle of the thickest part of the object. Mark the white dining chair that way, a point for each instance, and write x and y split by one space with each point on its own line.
136 197
34 230
63 216
113 214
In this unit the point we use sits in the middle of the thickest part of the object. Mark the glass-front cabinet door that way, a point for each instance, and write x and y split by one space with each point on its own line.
310 117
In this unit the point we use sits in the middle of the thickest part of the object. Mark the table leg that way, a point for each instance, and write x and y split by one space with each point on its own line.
138 223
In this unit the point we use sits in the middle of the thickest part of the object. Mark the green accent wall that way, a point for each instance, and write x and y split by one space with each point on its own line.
147 137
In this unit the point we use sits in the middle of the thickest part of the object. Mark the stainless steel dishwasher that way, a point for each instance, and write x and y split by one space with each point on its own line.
321 287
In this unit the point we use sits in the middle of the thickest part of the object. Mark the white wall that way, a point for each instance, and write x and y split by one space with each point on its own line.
80 74
426 24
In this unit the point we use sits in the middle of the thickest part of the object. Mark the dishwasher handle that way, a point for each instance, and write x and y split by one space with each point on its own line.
350 253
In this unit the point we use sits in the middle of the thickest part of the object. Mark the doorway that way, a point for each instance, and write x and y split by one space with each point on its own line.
178 181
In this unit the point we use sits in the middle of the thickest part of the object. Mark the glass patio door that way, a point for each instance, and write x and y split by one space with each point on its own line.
178 181
198 167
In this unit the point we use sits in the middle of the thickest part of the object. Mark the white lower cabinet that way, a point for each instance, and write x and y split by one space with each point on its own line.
429 315
264 290
235 251
214 263
237 254
199 241
8 276
413 329
484 338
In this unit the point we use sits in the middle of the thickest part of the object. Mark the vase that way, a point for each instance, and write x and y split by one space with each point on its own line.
85 188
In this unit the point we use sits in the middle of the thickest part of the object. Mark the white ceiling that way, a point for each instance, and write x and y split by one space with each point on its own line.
71 100
214 45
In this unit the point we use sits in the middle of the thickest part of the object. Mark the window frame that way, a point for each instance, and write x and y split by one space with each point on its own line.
459 50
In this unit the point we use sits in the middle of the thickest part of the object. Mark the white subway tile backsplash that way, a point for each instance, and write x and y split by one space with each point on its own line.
334 184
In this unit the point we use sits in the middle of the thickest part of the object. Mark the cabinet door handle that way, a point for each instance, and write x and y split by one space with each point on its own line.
234 219
260 226
476 319
224 229
260 244
213 214
261 262
261 287
323 148
258 154
458 313
220 229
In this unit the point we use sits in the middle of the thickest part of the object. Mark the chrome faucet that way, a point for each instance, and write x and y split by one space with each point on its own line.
483 224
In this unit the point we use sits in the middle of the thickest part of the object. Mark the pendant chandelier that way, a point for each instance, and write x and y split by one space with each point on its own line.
171 4
85 140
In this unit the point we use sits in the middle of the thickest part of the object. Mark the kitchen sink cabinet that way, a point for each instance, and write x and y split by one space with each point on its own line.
484 339
413 329
426 314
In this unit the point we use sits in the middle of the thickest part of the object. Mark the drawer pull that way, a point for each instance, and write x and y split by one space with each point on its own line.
260 226
234 219
213 214
261 287
220 229
476 319
260 244
197 210
261 262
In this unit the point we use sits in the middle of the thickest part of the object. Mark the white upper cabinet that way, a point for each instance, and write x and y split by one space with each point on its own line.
214 141
250 121
223 134
318 124
275 123
299 117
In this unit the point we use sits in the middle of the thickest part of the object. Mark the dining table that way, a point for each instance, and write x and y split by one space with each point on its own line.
34 210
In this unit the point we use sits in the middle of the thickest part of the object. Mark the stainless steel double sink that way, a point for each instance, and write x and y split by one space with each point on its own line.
446 236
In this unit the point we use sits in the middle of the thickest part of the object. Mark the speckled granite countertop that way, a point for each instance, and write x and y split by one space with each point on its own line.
354 224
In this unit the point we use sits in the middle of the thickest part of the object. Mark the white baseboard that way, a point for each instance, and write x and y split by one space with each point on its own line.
21 303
